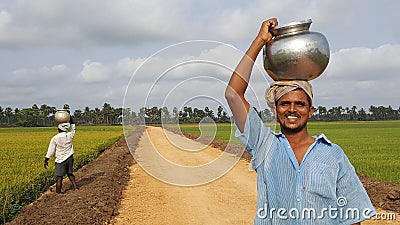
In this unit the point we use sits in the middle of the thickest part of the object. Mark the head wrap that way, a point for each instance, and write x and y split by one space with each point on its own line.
279 88
64 126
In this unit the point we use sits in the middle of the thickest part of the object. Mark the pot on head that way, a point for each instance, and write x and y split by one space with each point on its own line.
62 116
296 53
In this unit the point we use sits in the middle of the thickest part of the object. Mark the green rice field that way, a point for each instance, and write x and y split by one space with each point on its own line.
22 151
373 147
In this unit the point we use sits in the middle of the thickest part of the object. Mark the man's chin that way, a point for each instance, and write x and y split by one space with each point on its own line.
291 128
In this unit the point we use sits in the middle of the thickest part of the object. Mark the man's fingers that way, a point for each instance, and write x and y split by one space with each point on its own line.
273 22
270 24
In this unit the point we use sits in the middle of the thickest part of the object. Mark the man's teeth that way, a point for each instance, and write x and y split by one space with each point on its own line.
292 117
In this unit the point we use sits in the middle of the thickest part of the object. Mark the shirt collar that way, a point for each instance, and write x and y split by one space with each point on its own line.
318 137
322 137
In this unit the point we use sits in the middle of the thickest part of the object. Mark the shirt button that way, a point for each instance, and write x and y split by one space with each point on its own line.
298 171
298 199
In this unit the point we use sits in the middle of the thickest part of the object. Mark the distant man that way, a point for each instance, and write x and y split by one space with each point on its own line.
301 179
62 146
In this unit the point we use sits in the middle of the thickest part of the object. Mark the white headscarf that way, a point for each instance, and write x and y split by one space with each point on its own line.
64 126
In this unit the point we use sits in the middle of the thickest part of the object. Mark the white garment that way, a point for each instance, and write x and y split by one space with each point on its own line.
61 144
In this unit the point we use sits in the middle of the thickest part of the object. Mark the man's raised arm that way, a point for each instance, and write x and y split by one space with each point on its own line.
238 83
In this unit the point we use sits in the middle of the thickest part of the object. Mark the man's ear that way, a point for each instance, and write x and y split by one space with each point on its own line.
312 110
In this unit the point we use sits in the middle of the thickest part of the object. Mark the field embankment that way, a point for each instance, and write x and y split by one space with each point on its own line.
22 175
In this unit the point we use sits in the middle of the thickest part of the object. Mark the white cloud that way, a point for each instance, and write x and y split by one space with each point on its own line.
32 77
81 23
78 23
361 76
5 19
127 66
381 63
59 68
93 72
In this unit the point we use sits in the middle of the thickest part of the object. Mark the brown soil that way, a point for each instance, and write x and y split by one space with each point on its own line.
113 189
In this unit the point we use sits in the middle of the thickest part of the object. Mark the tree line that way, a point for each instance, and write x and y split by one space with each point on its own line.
43 115
186 115
338 113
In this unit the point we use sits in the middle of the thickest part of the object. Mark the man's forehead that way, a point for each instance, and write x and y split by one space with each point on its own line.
295 94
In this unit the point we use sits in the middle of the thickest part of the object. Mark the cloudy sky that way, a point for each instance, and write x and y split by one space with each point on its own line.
142 53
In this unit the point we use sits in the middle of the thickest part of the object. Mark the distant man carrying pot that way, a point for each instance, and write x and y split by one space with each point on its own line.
62 146
301 179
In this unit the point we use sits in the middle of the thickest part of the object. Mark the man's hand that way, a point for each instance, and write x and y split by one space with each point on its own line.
46 163
266 32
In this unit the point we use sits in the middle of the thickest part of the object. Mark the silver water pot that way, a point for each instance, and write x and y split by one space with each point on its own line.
296 53
62 116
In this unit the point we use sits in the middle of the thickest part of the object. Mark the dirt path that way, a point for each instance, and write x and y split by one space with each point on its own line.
230 199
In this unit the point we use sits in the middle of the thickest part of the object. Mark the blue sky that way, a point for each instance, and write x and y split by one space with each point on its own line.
86 52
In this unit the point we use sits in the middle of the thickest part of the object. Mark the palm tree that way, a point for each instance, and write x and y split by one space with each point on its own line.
8 112
87 115
209 113
45 111
78 115
362 115
107 113
1 113
353 112
321 112
165 116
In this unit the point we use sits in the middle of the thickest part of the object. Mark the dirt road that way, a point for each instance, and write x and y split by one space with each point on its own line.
227 200
230 199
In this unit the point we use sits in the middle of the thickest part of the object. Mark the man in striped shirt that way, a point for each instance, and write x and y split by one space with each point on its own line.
301 179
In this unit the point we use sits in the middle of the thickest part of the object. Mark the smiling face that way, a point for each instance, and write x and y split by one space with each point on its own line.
293 111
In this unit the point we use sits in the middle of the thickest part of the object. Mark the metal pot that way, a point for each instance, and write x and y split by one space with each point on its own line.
296 53
62 116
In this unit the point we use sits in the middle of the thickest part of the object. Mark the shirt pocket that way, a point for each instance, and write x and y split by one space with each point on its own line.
320 180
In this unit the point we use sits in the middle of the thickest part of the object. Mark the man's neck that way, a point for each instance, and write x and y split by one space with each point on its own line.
300 142
297 138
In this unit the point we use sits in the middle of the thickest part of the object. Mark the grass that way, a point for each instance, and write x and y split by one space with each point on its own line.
372 146
22 175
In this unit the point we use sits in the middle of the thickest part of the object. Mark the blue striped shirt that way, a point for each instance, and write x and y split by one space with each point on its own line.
323 189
